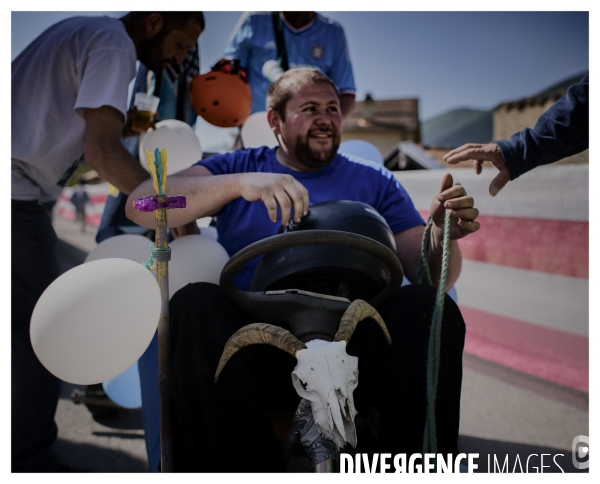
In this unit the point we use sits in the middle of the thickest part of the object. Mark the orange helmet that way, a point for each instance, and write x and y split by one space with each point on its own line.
221 98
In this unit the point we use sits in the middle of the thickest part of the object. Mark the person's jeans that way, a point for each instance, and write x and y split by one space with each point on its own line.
148 369
34 390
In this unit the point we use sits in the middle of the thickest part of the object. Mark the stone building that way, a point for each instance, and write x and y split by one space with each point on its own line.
384 123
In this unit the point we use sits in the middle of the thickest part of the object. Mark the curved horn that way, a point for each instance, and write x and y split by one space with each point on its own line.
356 312
259 333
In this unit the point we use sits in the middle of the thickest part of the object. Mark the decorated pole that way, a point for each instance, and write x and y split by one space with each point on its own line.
159 204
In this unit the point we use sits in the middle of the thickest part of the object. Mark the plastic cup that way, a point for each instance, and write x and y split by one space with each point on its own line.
146 106
146 102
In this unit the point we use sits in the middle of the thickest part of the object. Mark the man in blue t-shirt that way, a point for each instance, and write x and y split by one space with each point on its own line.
251 192
309 40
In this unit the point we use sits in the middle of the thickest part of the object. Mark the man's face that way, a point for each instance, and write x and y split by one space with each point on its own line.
312 129
165 48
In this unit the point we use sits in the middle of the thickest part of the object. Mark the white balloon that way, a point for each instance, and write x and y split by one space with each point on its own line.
178 139
195 258
256 132
361 149
96 320
125 390
126 246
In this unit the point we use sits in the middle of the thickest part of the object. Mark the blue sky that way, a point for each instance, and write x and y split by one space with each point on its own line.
446 59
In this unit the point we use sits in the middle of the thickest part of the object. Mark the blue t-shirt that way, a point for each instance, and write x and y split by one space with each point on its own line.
320 44
241 223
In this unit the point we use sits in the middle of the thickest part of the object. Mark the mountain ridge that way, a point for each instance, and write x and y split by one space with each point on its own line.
466 125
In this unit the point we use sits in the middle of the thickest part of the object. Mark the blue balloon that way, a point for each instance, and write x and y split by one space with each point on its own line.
124 389
361 149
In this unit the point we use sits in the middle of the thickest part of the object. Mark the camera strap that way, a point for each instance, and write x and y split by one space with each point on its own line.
281 50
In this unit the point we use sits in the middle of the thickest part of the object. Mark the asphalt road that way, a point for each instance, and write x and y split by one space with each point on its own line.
506 416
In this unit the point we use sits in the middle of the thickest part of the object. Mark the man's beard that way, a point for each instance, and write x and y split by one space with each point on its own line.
151 52
313 158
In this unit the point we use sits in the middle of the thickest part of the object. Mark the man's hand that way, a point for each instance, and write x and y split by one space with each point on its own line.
129 130
187 229
480 153
273 190
463 213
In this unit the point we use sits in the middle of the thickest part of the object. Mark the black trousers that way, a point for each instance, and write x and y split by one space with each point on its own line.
34 390
223 426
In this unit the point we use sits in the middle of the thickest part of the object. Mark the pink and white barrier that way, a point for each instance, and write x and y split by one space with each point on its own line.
524 287
93 210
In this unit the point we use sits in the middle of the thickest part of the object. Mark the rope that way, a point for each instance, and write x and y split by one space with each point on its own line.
423 270
150 264
435 331
151 260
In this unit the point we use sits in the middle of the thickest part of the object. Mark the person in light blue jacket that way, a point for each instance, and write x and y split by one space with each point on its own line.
306 39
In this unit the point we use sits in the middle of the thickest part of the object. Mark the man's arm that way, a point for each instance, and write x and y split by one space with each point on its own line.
346 104
237 47
341 69
206 194
104 152
408 242
408 249
563 130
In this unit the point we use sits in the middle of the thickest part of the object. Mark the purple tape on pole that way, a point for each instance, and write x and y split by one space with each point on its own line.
149 203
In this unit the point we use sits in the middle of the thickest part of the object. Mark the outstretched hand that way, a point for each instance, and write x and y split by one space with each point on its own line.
480 153
463 212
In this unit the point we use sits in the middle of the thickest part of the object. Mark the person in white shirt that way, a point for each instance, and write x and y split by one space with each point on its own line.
69 103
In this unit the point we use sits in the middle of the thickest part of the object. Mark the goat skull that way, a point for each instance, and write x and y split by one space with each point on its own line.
325 374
